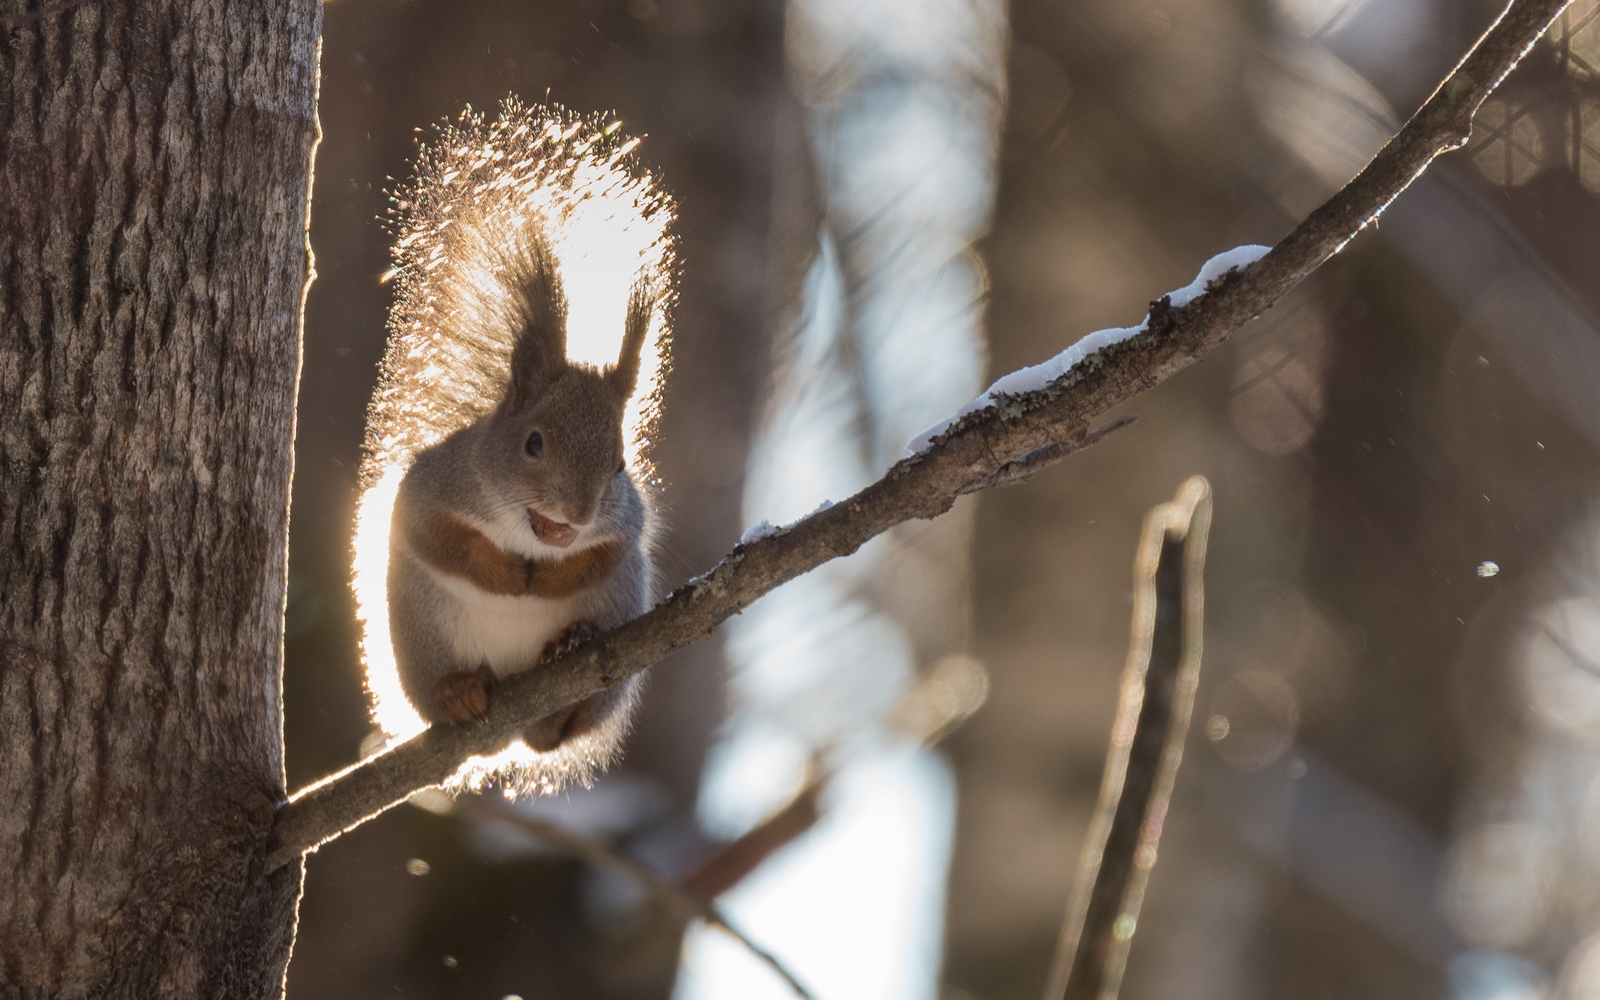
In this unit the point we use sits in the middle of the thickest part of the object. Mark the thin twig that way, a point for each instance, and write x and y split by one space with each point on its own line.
685 902
738 858
1153 710
935 706
970 452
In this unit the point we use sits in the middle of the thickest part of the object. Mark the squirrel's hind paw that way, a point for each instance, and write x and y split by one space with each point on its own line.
550 732
462 696
558 727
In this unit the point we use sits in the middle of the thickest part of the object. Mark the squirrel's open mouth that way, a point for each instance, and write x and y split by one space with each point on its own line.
551 532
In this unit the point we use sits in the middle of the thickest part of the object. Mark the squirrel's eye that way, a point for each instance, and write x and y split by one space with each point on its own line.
534 446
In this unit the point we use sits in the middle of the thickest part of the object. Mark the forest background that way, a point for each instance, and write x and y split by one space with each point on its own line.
1389 785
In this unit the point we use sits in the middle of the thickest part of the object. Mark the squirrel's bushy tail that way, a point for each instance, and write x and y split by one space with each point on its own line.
485 198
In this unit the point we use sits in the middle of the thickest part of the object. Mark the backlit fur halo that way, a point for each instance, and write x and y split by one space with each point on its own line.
484 195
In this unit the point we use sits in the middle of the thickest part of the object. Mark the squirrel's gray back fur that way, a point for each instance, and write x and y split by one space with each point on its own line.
526 243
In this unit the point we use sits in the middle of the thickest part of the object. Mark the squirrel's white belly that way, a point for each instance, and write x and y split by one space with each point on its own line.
507 632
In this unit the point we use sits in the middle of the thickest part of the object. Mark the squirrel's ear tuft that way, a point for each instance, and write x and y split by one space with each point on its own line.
624 378
540 350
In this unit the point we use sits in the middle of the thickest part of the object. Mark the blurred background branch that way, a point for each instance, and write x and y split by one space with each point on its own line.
1147 739
688 901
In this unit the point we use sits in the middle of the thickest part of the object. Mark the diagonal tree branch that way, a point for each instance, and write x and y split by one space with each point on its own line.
969 455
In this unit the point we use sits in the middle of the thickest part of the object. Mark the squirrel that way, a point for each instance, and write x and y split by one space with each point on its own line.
507 505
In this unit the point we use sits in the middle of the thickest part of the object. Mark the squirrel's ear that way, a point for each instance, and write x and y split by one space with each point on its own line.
540 350
624 378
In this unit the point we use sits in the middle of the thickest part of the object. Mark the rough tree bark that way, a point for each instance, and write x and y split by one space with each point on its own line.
155 162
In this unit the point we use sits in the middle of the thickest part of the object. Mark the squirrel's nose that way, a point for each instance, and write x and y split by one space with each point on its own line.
580 511
578 517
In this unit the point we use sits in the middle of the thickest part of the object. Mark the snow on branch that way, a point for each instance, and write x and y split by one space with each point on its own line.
1042 375
1017 428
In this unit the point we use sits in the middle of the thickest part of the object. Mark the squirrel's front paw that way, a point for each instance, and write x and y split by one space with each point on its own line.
570 637
463 696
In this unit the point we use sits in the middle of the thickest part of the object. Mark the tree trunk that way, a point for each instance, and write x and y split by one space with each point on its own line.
155 159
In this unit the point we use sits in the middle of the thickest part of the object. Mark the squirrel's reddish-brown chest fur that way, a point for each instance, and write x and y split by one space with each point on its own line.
454 547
